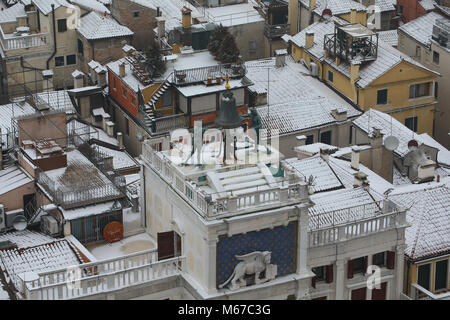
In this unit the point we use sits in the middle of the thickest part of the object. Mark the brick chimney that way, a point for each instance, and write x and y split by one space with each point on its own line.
186 17
161 26
122 69
325 153
309 42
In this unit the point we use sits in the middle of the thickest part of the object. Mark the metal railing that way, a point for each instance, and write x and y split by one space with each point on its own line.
101 277
338 48
196 75
276 30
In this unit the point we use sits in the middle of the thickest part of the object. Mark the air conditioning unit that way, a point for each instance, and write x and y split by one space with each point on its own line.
49 225
12 216
314 69
2 217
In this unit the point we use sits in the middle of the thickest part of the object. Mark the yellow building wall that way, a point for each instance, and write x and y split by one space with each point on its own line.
361 17
340 82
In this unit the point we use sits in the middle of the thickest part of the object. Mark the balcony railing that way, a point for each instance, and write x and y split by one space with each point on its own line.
362 220
199 75
361 50
276 31
285 194
101 277
24 41
420 293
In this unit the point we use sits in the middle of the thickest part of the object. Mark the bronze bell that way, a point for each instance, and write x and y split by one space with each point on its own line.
228 117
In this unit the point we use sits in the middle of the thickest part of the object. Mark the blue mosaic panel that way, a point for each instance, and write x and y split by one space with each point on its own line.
281 241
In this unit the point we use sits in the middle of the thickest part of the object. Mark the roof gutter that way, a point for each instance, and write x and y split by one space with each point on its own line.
54 38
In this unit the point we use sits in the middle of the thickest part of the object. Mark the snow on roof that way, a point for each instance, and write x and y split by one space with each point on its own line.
324 177
12 13
348 205
26 238
12 178
421 28
57 100
386 5
96 26
390 126
234 14
121 159
130 80
42 258
389 36
301 114
387 56
443 156
314 148
12 110
427 4
429 217
337 7
45 6
92 5
77 127
200 89
90 210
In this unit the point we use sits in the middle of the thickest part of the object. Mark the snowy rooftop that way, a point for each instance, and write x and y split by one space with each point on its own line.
26 238
428 215
390 126
90 210
75 127
96 26
57 100
12 178
389 36
93 5
314 148
299 115
235 14
45 6
12 13
289 83
42 258
12 110
121 159
337 7
387 56
427 4
421 28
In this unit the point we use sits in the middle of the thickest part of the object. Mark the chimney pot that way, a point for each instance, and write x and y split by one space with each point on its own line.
122 70
355 158
325 153
309 40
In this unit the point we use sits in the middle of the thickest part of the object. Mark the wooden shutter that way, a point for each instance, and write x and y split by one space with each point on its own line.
374 259
350 269
366 261
166 245
329 275
390 260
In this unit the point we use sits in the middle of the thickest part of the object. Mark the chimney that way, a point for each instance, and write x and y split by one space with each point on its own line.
106 118
338 61
354 71
376 139
309 40
47 84
353 15
325 153
355 158
301 140
186 17
122 69
78 79
110 128
312 4
120 140
161 27
101 75
360 180
426 171
280 55
339 114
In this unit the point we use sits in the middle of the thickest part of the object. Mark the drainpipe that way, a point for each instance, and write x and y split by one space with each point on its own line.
54 37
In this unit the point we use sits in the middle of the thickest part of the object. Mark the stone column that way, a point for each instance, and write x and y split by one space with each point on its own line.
302 236
340 277
211 265
399 270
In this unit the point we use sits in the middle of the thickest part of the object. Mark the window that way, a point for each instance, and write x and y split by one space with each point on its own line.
310 139
136 14
423 276
80 47
435 57
379 259
411 123
440 278
359 265
189 193
252 45
325 137
350 135
114 83
320 273
127 126
418 51
330 76
124 92
419 90
436 89
382 96
62 25
133 100
59 61
71 59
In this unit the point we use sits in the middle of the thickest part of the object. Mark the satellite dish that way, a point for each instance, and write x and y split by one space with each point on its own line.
413 145
20 223
391 143
326 13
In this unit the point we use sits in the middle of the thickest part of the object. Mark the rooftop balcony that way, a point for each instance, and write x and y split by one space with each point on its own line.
276 30
201 75
354 222
216 205
90 279
24 41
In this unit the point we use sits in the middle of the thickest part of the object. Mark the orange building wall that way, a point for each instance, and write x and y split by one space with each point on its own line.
411 10
117 94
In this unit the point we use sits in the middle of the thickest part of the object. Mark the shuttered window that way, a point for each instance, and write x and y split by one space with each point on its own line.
440 278
329 275
382 96
379 259
390 260
423 276
169 245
